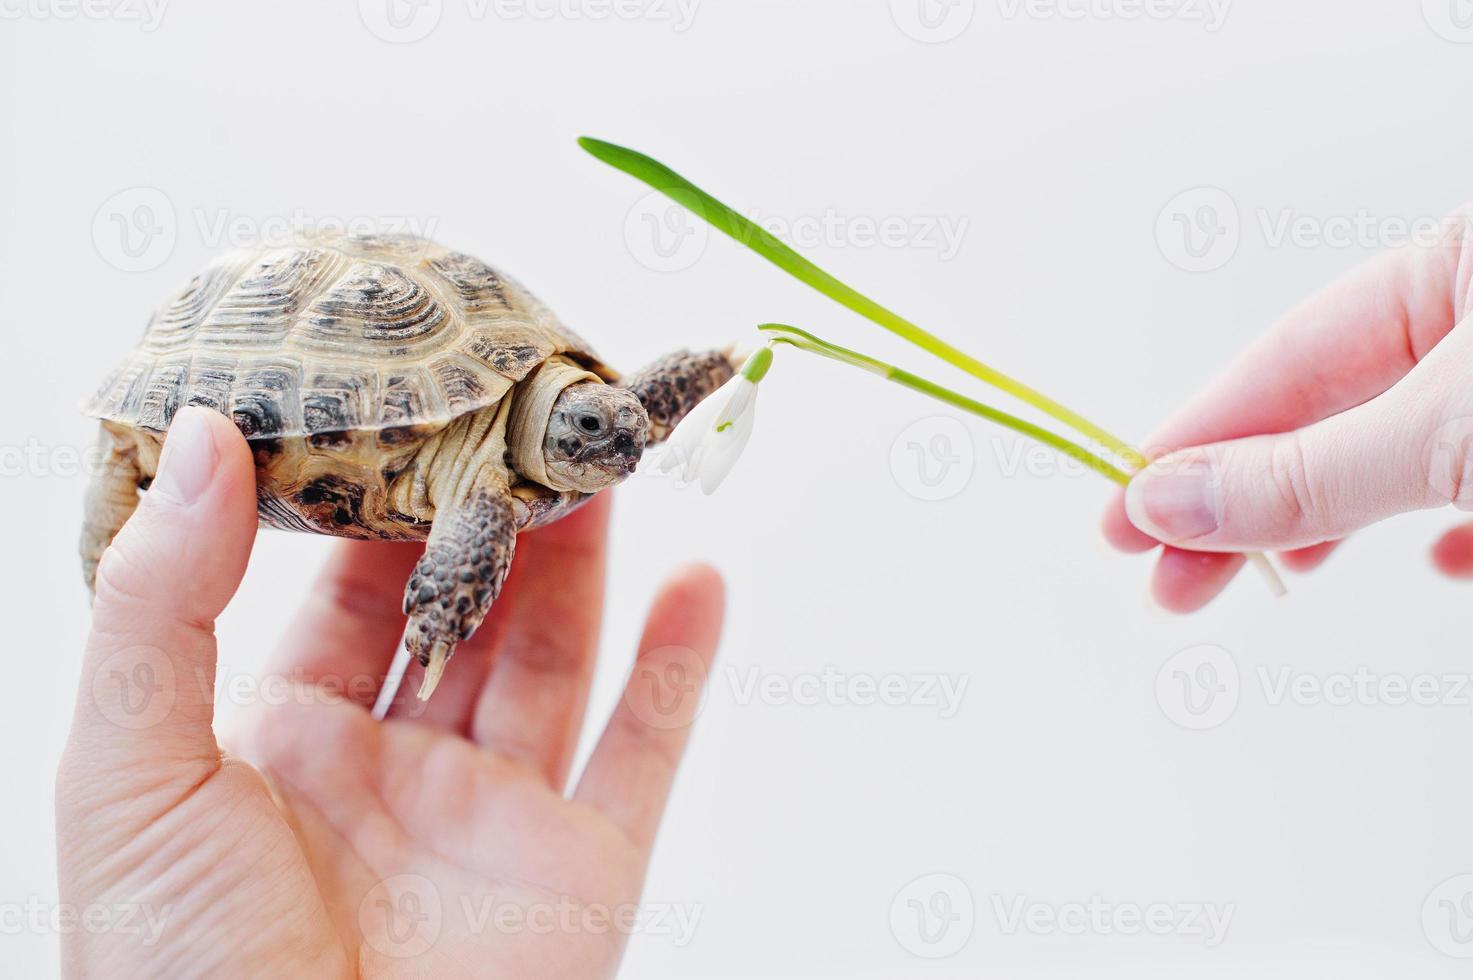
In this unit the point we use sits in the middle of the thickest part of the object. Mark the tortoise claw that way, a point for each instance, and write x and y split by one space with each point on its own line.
439 653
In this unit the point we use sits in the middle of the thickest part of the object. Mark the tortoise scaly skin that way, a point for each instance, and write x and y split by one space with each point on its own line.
375 378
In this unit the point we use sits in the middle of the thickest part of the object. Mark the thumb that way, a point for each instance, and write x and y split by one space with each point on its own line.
1301 488
146 698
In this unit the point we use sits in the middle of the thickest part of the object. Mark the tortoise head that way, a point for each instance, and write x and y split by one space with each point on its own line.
595 436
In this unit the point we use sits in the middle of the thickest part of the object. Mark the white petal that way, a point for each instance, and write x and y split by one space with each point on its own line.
743 395
679 458
683 450
725 449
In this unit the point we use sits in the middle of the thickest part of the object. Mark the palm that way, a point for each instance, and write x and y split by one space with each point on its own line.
422 843
438 844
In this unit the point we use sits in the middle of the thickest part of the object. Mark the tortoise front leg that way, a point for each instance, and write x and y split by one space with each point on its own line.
465 562
112 497
675 384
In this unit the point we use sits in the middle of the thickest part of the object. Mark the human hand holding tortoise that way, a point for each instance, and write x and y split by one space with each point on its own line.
319 842
391 389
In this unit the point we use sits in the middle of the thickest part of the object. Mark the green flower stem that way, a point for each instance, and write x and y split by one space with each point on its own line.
723 218
783 334
803 340
728 221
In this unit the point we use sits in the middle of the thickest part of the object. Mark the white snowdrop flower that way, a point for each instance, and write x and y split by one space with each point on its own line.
707 443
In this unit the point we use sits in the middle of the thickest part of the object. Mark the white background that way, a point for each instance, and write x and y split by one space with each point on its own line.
1056 134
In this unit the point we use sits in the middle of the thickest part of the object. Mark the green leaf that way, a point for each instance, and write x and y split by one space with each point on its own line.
725 219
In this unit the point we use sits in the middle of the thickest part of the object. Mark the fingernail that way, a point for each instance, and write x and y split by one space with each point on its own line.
188 461
1175 502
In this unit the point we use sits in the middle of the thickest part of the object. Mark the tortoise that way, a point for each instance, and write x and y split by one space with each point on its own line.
390 389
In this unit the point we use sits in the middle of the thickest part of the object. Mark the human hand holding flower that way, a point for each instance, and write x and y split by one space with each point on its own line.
1357 407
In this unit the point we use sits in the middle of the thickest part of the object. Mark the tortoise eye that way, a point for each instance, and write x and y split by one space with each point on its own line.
589 423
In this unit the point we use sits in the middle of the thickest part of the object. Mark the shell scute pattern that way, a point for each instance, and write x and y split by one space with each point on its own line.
258 311
160 398
511 352
265 402
174 326
336 400
406 398
123 389
210 379
337 333
480 288
373 304
463 382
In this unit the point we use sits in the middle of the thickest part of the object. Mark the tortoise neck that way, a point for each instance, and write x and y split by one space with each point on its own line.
531 409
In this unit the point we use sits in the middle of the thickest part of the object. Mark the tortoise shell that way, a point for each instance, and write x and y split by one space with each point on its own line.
337 333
